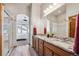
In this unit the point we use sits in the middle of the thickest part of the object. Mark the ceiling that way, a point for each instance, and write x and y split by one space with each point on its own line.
17 8
59 11
56 13
17 4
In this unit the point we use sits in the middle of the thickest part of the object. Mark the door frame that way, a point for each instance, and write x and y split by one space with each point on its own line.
1 18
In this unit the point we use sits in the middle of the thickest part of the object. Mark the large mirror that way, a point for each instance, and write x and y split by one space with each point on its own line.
58 22
63 20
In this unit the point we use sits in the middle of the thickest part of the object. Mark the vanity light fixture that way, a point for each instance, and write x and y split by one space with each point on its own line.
50 6
47 9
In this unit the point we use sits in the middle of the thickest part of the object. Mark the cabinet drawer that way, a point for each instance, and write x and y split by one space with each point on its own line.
55 54
57 50
61 52
41 51
48 45
41 43
34 43
37 45
41 47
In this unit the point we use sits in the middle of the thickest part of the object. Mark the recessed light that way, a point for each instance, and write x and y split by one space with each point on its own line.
44 11
47 9
54 3
50 6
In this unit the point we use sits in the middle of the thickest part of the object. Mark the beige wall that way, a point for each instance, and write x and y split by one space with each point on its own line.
36 19
71 9
35 16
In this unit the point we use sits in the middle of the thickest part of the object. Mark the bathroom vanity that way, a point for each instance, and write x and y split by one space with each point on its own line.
51 46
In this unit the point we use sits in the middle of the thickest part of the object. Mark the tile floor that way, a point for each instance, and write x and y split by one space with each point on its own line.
21 43
24 50
6 47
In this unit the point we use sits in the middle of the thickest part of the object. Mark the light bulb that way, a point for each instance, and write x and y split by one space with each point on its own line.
44 11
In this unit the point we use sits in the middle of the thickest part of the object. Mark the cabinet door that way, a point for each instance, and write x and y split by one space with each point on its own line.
41 47
32 41
36 44
47 52
55 54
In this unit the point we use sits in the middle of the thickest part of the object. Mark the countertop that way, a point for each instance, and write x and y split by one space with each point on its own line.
67 46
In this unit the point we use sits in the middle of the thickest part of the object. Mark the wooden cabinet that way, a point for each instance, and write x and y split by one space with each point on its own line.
41 47
55 54
37 45
47 49
56 50
33 42
61 52
47 52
